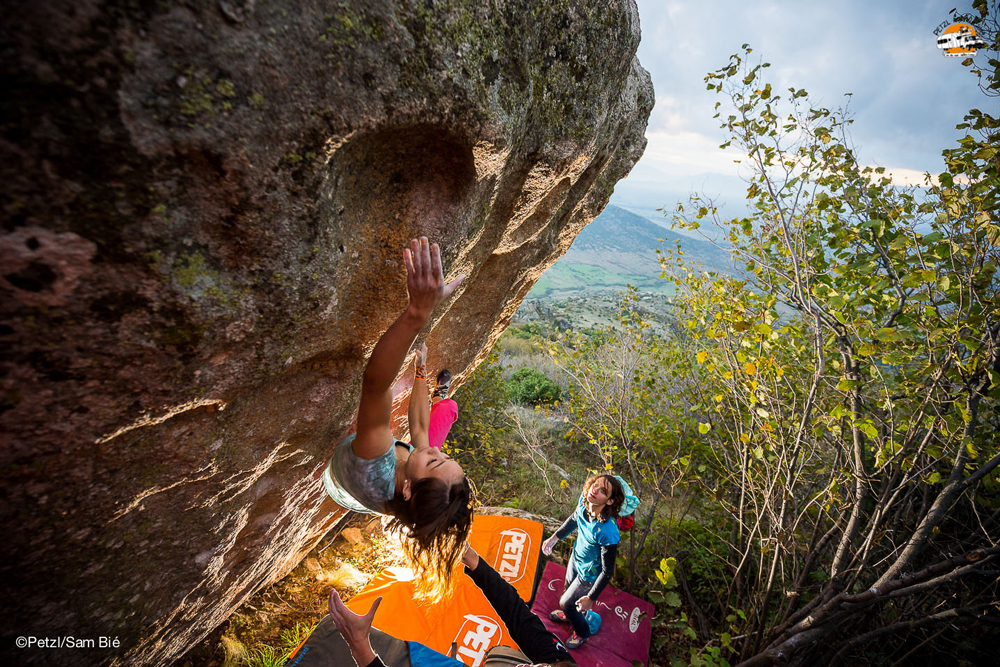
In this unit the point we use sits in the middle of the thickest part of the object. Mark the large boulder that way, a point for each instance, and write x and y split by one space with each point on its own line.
204 207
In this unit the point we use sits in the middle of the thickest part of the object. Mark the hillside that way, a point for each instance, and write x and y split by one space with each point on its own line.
619 248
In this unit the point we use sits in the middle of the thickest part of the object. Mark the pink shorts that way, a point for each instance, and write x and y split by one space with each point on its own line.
443 415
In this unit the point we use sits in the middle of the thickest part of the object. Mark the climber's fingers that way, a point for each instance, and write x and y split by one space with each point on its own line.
417 258
424 276
336 605
436 263
452 286
408 263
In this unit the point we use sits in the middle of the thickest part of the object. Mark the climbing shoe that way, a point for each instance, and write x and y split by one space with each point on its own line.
558 615
442 383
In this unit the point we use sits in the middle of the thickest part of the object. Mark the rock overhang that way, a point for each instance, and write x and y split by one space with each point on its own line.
206 206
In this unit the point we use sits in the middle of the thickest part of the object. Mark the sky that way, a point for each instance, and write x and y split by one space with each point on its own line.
906 96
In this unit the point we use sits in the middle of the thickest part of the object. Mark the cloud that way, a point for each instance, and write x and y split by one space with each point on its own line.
683 152
906 99
911 177
902 176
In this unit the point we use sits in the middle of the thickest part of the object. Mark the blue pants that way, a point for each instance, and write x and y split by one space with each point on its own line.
575 589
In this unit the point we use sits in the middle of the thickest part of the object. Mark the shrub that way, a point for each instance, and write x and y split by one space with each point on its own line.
528 386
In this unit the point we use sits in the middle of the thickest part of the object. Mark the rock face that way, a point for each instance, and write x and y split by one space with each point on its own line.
204 206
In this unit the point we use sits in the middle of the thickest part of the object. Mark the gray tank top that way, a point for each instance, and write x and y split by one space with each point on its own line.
362 485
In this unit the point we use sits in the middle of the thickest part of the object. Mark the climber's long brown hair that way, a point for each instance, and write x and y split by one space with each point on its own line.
435 523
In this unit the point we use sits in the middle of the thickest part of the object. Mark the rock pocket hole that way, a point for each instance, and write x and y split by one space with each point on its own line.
393 185
36 277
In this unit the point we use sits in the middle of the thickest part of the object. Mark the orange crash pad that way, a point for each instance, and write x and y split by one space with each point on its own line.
512 546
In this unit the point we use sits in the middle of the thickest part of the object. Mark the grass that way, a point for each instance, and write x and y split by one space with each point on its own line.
272 623
295 635
563 279
270 656
267 656
235 652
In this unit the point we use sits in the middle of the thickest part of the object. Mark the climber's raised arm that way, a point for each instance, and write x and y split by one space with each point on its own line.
426 288
419 412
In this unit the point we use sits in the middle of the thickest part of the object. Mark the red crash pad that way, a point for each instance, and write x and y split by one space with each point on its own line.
625 623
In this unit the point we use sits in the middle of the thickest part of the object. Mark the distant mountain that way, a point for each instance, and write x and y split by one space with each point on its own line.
654 195
619 248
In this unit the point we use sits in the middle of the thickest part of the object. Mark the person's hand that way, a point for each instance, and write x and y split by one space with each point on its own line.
470 558
584 604
422 355
354 628
424 278
548 545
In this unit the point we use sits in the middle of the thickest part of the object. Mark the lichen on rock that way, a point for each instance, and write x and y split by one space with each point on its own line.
204 209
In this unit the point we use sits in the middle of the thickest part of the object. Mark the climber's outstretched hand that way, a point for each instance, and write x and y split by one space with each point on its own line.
424 277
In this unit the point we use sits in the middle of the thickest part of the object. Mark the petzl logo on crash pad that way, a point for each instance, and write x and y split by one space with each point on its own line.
512 555
477 636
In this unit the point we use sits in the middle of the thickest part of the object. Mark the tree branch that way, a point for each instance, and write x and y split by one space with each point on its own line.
941 617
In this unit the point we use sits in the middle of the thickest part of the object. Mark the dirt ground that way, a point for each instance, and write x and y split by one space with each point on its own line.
271 623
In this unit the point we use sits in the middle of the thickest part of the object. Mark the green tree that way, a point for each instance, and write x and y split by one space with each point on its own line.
850 383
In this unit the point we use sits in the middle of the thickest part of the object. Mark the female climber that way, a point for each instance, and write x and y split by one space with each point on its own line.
593 560
421 488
